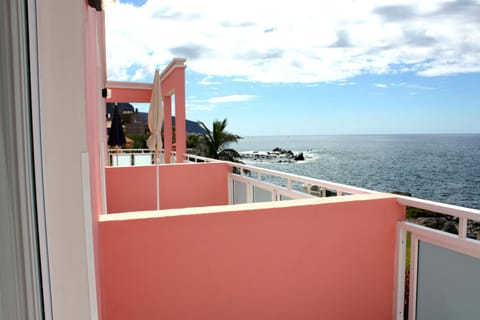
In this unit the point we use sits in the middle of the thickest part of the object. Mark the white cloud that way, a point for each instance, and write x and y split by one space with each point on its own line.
207 81
302 41
403 85
198 104
231 98
419 87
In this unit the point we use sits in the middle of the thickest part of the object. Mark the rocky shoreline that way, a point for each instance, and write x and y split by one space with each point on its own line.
277 155
439 221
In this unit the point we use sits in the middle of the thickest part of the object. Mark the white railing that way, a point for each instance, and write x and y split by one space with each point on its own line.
195 158
129 151
466 251
258 184
130 157
284 186
136 157
244 189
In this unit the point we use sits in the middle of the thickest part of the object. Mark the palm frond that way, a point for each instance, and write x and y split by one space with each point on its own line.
213 143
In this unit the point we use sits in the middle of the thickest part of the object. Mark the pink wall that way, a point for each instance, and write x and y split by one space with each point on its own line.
130 95
330 261
130 188
194 185
181 186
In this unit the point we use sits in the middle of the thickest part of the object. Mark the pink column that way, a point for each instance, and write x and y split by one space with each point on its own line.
180 122
173 83
167 126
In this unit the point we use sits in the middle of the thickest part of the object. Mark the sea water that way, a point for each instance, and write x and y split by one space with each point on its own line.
444 168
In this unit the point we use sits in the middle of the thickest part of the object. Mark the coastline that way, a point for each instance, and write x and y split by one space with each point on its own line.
439 167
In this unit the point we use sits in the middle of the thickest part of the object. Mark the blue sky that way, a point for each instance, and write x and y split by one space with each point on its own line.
310 67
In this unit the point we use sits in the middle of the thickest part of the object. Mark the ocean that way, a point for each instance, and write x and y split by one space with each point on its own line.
444 168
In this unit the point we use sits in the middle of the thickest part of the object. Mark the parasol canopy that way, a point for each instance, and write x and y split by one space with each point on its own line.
155 116
117 136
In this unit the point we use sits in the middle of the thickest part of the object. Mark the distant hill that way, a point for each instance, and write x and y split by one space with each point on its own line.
192 126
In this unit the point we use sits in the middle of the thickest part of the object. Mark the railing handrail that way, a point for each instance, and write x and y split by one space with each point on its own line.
442 238
463 214
338 187
442 208
306 180
204 159
120 151
274 188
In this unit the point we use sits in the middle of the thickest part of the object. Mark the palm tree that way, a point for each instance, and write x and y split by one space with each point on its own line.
213 143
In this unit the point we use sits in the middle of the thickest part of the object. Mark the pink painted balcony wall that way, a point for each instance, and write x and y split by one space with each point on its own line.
180 186
323 258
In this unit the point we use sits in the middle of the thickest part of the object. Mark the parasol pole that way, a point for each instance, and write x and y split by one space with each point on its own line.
158 176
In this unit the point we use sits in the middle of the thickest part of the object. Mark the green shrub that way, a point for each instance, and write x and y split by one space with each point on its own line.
139 141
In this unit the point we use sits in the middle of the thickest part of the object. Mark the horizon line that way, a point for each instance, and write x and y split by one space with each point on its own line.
366 134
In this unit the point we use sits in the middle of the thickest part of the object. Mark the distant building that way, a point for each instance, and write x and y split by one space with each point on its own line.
135 122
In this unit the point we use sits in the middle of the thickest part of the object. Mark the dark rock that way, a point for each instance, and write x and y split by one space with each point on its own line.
299 157
450 227
443 224
402 193
431 222
330 193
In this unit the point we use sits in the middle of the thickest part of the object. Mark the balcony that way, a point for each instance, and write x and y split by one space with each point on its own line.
213 250
231 241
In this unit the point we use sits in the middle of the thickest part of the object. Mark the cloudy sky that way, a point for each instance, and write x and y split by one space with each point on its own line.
310 67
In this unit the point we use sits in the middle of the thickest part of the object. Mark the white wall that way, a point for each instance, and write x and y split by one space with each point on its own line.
63 129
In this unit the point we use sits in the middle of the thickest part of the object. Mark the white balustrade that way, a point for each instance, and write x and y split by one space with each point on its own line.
443 266
135 157
282 186
288 185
